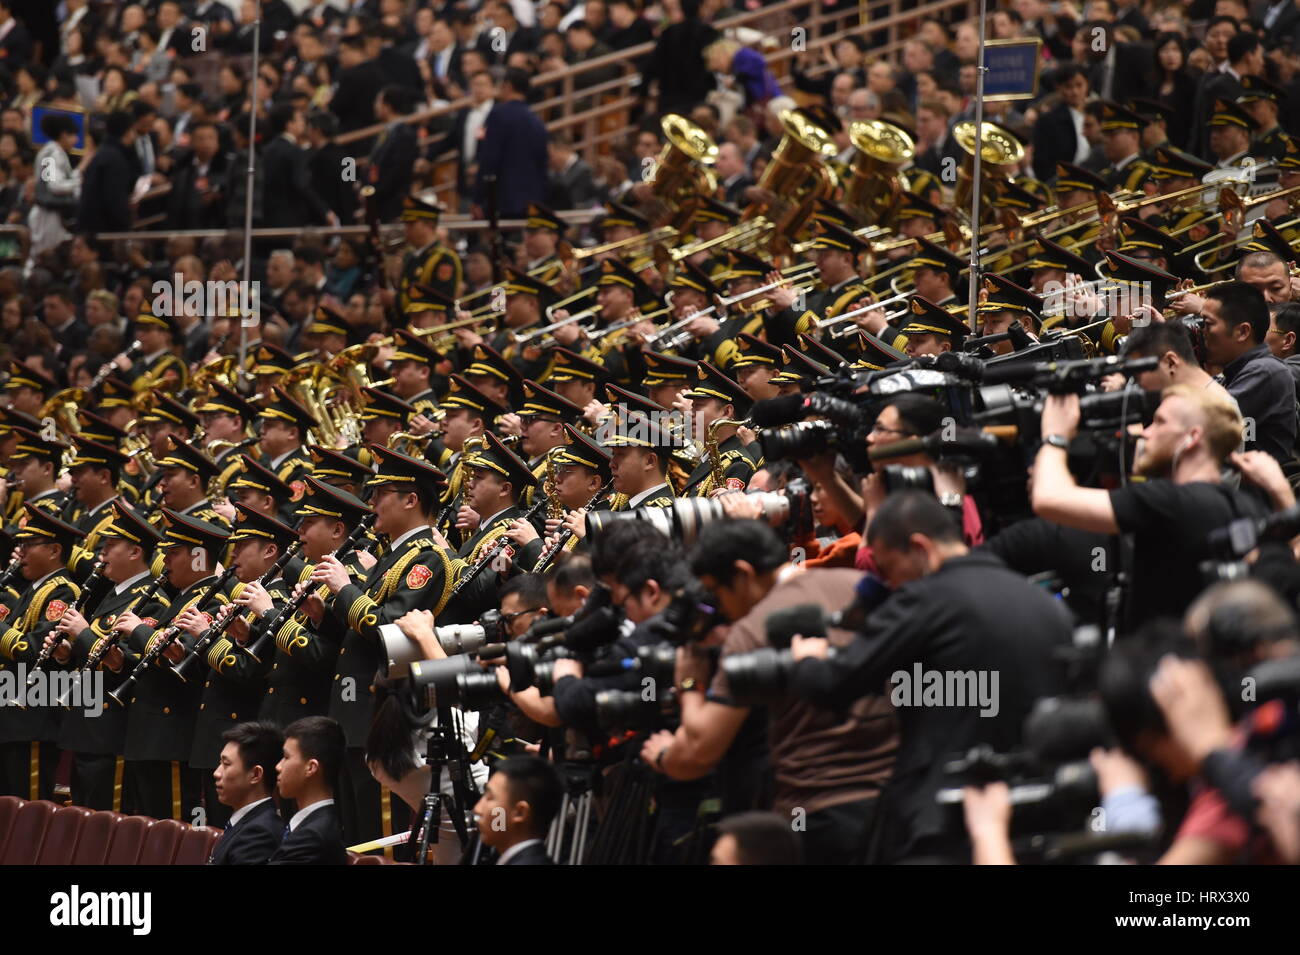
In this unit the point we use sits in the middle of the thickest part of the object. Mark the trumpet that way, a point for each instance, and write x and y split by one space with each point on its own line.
537 335
795 271
575 297
843 317
597 334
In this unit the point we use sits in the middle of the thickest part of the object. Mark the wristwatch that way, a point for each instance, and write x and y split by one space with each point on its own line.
688 684
1057 441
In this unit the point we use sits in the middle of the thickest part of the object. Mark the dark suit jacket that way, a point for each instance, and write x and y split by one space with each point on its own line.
253 840
16 47
185 208
1132 65
514 150
532 855
106 189
288 199
318 840
945 622
326 164
1054 141
391 166
354 100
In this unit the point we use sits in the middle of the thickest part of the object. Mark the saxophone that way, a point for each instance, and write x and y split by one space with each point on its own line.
554 506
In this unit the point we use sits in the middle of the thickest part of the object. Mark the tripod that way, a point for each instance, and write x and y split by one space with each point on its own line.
573 822
446 750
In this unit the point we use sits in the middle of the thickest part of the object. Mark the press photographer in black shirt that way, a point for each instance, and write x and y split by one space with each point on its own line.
1171 514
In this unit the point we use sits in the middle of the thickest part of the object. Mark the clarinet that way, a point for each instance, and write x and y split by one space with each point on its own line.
210 636
107 368
291 606
553 549
163 640
47 651
451 508
490 554
12 570
109 641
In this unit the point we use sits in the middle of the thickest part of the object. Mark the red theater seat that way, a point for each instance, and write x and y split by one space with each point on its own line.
128 840
161 843
196 845
9 806
61 837
96 837
28 833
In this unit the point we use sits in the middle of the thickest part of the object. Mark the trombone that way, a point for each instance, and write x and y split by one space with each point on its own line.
849 316
569 255
535 336
798 271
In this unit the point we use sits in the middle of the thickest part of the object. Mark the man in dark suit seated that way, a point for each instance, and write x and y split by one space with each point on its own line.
516 809
309 772
245 780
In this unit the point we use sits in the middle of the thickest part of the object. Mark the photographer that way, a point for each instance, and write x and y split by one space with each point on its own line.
947 613
828 765
1172 345
1184 449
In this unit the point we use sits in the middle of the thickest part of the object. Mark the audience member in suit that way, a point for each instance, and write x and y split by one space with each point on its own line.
60 316
572 183
1245 58
513 149
393 160
444 60
200 182
245 782
463 135
1058 134
505 36
326 160
308 774
288 199
1117 71
516 809
1281 20
109 178
359 82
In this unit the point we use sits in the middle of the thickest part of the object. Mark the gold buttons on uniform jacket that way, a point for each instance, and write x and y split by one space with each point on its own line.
166 709
234 716
336 676
303 700
201 706
270 690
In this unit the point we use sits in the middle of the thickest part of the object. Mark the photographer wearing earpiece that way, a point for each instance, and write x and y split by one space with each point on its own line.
1171 514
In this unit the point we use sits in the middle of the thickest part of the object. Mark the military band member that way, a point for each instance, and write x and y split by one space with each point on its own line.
428 262
490 372
114 402
543 231
186 473
525 302
835 251
301 666
337 469
413 573
714 399
283 442
540 423
1003 305
94 472
1263 100
269 364
28 754
97 738
255 486
468 414
225 416
666 377
28 389
755 365
327 334
411 368
163 710
576 379
166 421
1121 135
932 330
35 463
383 416
640 455
714 334
1231 129
158 365
231 690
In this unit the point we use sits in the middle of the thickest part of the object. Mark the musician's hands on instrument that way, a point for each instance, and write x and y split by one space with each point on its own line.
566 335
330 572
72 622
510 424
594 411
192 622
468 519
521 532
225 509
365 558
62 650
784 295
576 521
420 424
126 622
255 598
114 659
174 652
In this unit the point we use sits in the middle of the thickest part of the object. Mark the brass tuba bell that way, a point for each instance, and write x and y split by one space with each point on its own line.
797 175
875 187
997 148
682 176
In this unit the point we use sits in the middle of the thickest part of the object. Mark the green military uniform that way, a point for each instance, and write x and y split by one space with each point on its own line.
435 265
28 754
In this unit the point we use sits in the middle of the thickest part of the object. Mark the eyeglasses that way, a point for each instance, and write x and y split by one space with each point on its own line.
878 429
510 617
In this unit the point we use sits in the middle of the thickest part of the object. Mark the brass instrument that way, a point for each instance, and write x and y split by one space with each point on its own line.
222 370
875 187
1241 207
682 177
997 148
62 407
554 506
415 443
742 235
796 177
570 256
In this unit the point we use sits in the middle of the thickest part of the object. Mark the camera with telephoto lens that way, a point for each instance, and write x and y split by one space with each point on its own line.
455 681
898 477
650 705
462 638
687 516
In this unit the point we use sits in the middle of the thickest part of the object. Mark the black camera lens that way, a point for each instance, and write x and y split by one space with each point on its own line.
898 477
758 676
803 439
480 690
625 709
